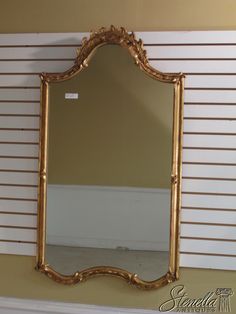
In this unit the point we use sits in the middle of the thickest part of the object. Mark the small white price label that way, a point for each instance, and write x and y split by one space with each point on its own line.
71 95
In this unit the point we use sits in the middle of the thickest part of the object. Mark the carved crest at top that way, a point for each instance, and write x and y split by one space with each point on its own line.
112 35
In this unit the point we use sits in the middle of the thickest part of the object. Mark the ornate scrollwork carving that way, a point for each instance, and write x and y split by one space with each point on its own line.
116 36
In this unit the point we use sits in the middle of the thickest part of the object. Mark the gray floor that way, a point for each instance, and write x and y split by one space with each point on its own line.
148 265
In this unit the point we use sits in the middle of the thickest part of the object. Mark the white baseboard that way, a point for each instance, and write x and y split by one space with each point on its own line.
23 306
108 217
108 243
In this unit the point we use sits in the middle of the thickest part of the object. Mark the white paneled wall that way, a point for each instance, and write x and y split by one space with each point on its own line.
208 218
131 208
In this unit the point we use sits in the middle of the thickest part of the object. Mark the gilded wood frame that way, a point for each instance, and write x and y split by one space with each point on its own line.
135 48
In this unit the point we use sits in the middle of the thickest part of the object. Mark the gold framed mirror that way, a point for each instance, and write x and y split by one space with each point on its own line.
110 166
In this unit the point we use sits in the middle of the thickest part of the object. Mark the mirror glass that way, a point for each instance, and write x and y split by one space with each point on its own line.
109 168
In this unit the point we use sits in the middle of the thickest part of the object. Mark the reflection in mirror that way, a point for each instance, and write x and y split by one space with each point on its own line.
109 168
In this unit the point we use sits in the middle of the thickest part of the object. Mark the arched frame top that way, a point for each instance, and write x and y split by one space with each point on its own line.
117 36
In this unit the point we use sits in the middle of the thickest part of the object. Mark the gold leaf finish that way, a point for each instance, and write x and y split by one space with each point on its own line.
117 36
